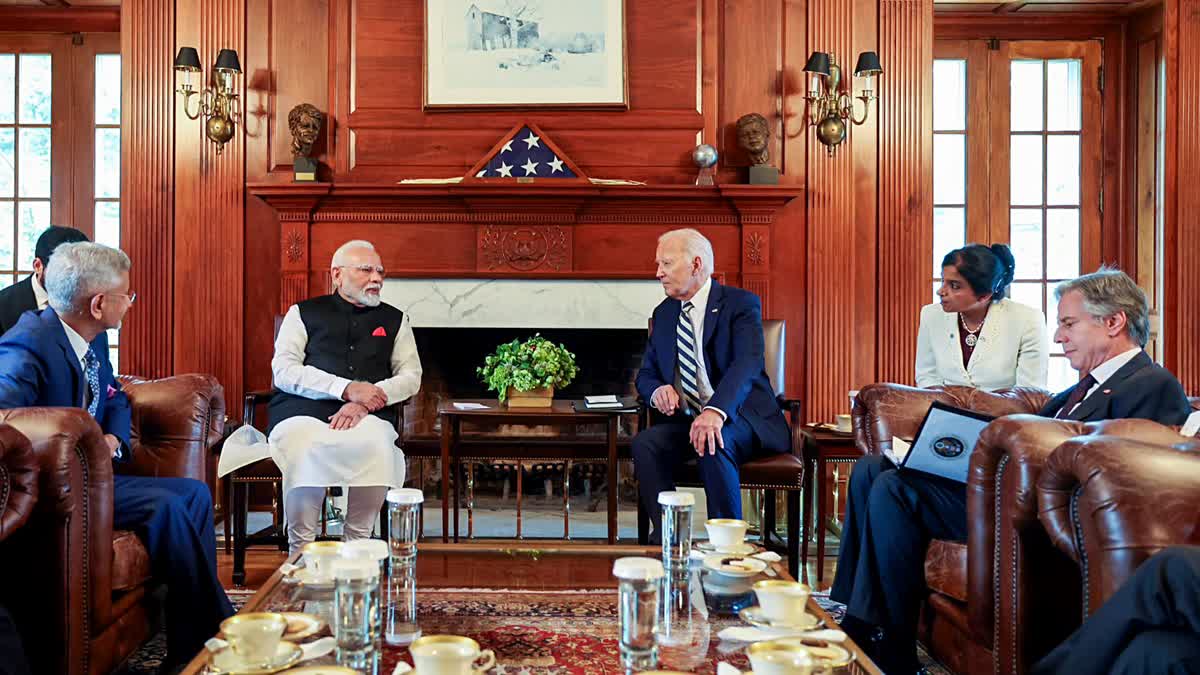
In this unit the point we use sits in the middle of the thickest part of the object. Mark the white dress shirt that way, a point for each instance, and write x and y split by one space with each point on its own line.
39 293
703 384
80 346
292 376
1105 370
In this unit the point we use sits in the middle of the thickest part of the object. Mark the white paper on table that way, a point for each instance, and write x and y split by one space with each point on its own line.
899 451
469 406
1191 425
607 398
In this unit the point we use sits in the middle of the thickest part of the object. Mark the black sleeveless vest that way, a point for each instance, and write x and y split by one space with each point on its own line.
351 342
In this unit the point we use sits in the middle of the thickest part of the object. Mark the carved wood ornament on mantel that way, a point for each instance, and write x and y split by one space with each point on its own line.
506 230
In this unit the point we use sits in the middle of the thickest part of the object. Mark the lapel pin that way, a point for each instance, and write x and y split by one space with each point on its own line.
1108 391
714 311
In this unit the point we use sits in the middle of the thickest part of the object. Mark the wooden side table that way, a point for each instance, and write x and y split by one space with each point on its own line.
561 413
828 446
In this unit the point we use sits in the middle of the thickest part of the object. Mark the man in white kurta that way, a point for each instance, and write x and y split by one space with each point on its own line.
342 361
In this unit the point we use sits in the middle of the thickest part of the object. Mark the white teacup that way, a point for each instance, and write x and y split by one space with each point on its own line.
319 557
450 655
782 601
780 657
844 423
254 637
726 534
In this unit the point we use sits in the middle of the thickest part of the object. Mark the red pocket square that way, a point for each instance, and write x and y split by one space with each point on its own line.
111 391
379 332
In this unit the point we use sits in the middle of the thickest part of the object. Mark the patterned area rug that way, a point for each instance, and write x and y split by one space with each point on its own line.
532 633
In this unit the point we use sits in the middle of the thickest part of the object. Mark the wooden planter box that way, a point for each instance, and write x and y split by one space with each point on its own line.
536 398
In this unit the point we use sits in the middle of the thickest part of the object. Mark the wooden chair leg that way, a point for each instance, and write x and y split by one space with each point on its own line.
240 506
280 520
227 497
793 533
643 524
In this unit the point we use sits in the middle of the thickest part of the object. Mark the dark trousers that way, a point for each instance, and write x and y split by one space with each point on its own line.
12 655
891 516
661 449
174 518
1150 625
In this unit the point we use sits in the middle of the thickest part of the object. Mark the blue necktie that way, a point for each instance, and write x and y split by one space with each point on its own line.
91 371
685 346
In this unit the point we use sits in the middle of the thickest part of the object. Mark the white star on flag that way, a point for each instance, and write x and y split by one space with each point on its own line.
505 170
555 165
532 141
530 166
507 146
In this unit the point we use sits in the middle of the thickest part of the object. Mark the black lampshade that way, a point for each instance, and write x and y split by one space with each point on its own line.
227 59
818 62
187 59
868 64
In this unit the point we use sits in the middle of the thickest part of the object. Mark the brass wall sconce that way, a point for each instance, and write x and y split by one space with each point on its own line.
218 104
830 100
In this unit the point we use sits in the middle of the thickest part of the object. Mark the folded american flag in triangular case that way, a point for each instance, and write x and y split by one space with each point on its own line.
525 155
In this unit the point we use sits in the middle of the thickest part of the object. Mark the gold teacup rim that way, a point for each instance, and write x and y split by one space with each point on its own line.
784 646
726 521
322 547
781 584
253 616
444 640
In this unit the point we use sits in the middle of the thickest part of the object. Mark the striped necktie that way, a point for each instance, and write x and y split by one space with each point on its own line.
685 346
91 372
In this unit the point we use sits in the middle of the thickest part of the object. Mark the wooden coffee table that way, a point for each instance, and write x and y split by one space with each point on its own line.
534 606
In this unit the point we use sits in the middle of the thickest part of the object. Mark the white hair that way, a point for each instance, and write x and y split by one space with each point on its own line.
695 245
79 271
339 256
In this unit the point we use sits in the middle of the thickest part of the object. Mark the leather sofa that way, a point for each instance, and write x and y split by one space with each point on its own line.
18 480
84 600
997 602
1109 504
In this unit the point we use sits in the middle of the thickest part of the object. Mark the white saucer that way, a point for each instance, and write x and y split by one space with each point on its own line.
324 670
286 656
738 566
826 656
744 548
754 617
301 625
303 576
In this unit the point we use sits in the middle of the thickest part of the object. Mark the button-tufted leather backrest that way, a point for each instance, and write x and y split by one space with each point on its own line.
18 480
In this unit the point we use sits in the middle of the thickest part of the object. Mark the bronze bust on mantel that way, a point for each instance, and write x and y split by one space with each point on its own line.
304 123
754 137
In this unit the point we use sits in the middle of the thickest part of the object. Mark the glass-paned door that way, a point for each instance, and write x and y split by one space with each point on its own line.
1047 136
106 176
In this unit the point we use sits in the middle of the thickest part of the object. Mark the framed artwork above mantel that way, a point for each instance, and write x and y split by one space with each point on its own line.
525 54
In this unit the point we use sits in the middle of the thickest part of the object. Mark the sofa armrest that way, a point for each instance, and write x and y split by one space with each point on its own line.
1021 600
63 555
177 421
1110 503
18 480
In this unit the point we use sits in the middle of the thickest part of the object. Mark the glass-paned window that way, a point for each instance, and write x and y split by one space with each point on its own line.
949 160
107 197
1045 136
25 159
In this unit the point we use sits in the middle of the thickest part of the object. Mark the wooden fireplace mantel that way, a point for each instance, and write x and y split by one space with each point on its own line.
502 230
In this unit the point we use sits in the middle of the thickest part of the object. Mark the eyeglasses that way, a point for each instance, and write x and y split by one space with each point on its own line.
130 296
366 269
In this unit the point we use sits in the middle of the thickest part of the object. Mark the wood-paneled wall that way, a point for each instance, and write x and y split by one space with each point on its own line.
845 269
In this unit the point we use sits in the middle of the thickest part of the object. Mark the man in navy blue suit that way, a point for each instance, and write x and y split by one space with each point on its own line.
704 370
891 515
60 358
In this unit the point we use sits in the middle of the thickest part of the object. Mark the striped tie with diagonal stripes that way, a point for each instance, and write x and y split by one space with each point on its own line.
685 345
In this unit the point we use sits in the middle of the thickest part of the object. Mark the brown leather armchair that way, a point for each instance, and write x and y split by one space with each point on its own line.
1110 503
997 602
18 480
83 602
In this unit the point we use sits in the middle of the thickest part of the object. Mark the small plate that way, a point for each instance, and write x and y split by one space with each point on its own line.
754 617
324 670
734 565
301 625
826 655
303 576
744 548
286 656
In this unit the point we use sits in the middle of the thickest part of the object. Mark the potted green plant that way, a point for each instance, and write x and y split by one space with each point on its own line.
525 374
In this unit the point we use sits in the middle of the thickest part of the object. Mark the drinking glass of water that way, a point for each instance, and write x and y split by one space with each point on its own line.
355 609
637 602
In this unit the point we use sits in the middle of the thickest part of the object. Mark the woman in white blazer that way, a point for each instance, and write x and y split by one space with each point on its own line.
975 336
